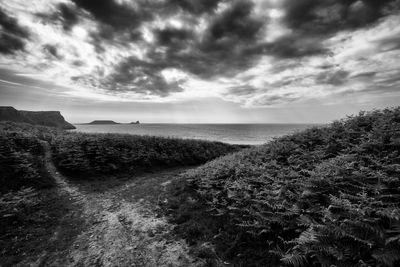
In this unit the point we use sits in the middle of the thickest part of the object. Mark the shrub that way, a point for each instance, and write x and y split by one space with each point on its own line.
91 154
22 162
325 196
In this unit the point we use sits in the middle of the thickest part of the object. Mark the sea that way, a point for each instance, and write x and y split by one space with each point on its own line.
247 134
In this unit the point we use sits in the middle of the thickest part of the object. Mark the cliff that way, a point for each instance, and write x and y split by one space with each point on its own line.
45 118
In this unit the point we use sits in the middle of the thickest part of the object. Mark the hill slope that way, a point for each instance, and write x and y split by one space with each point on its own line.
322 197
44 118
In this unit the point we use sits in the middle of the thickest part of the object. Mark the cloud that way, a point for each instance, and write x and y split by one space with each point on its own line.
194 6
294 46
173 37
140 77
242 90
52 51
69 16
12 35
258 52
336 78
321 17
119 16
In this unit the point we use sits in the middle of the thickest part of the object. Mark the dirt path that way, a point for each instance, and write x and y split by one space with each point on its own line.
121 227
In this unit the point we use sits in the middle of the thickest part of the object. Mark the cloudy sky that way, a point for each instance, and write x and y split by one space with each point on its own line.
200 60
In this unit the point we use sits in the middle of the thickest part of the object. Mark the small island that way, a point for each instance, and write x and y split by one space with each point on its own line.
136 122
99 122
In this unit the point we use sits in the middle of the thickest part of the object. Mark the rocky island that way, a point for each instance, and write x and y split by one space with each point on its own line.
99 122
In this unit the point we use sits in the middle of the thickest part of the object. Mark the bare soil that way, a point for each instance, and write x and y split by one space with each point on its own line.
118 225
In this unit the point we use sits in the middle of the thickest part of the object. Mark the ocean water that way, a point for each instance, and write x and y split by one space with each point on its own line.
251 134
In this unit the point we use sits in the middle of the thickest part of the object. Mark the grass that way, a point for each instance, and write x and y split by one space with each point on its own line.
28 220
327 196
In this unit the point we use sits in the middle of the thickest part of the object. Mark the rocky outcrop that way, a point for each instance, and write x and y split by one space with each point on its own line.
103 122
44 118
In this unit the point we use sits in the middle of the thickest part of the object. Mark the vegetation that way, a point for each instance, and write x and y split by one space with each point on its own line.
21 162
31 209
326 196
94 154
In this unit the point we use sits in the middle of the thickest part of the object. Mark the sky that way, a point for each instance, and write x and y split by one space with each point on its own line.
200 61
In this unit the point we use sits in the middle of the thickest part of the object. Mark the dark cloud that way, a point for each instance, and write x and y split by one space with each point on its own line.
194 6
140 77
118 16
227 46
173 36
232 41
336 78
12 35
9 44
52 51
68 17
66 14
295 45
242 90
235 23
312 21
322 17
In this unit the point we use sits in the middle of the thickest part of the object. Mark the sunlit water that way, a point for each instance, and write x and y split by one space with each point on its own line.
252 134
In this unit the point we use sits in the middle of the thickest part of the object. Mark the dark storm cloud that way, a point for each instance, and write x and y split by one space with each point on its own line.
294 46
140 77
321 17
235 23
12 35
172 36
227 46
109 12
194 6
66 14
210 41
69 16
312 21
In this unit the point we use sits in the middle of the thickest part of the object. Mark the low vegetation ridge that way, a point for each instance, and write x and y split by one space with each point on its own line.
327 196
83 155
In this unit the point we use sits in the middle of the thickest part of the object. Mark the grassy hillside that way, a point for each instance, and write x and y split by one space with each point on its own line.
94 154
326 196
32 208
